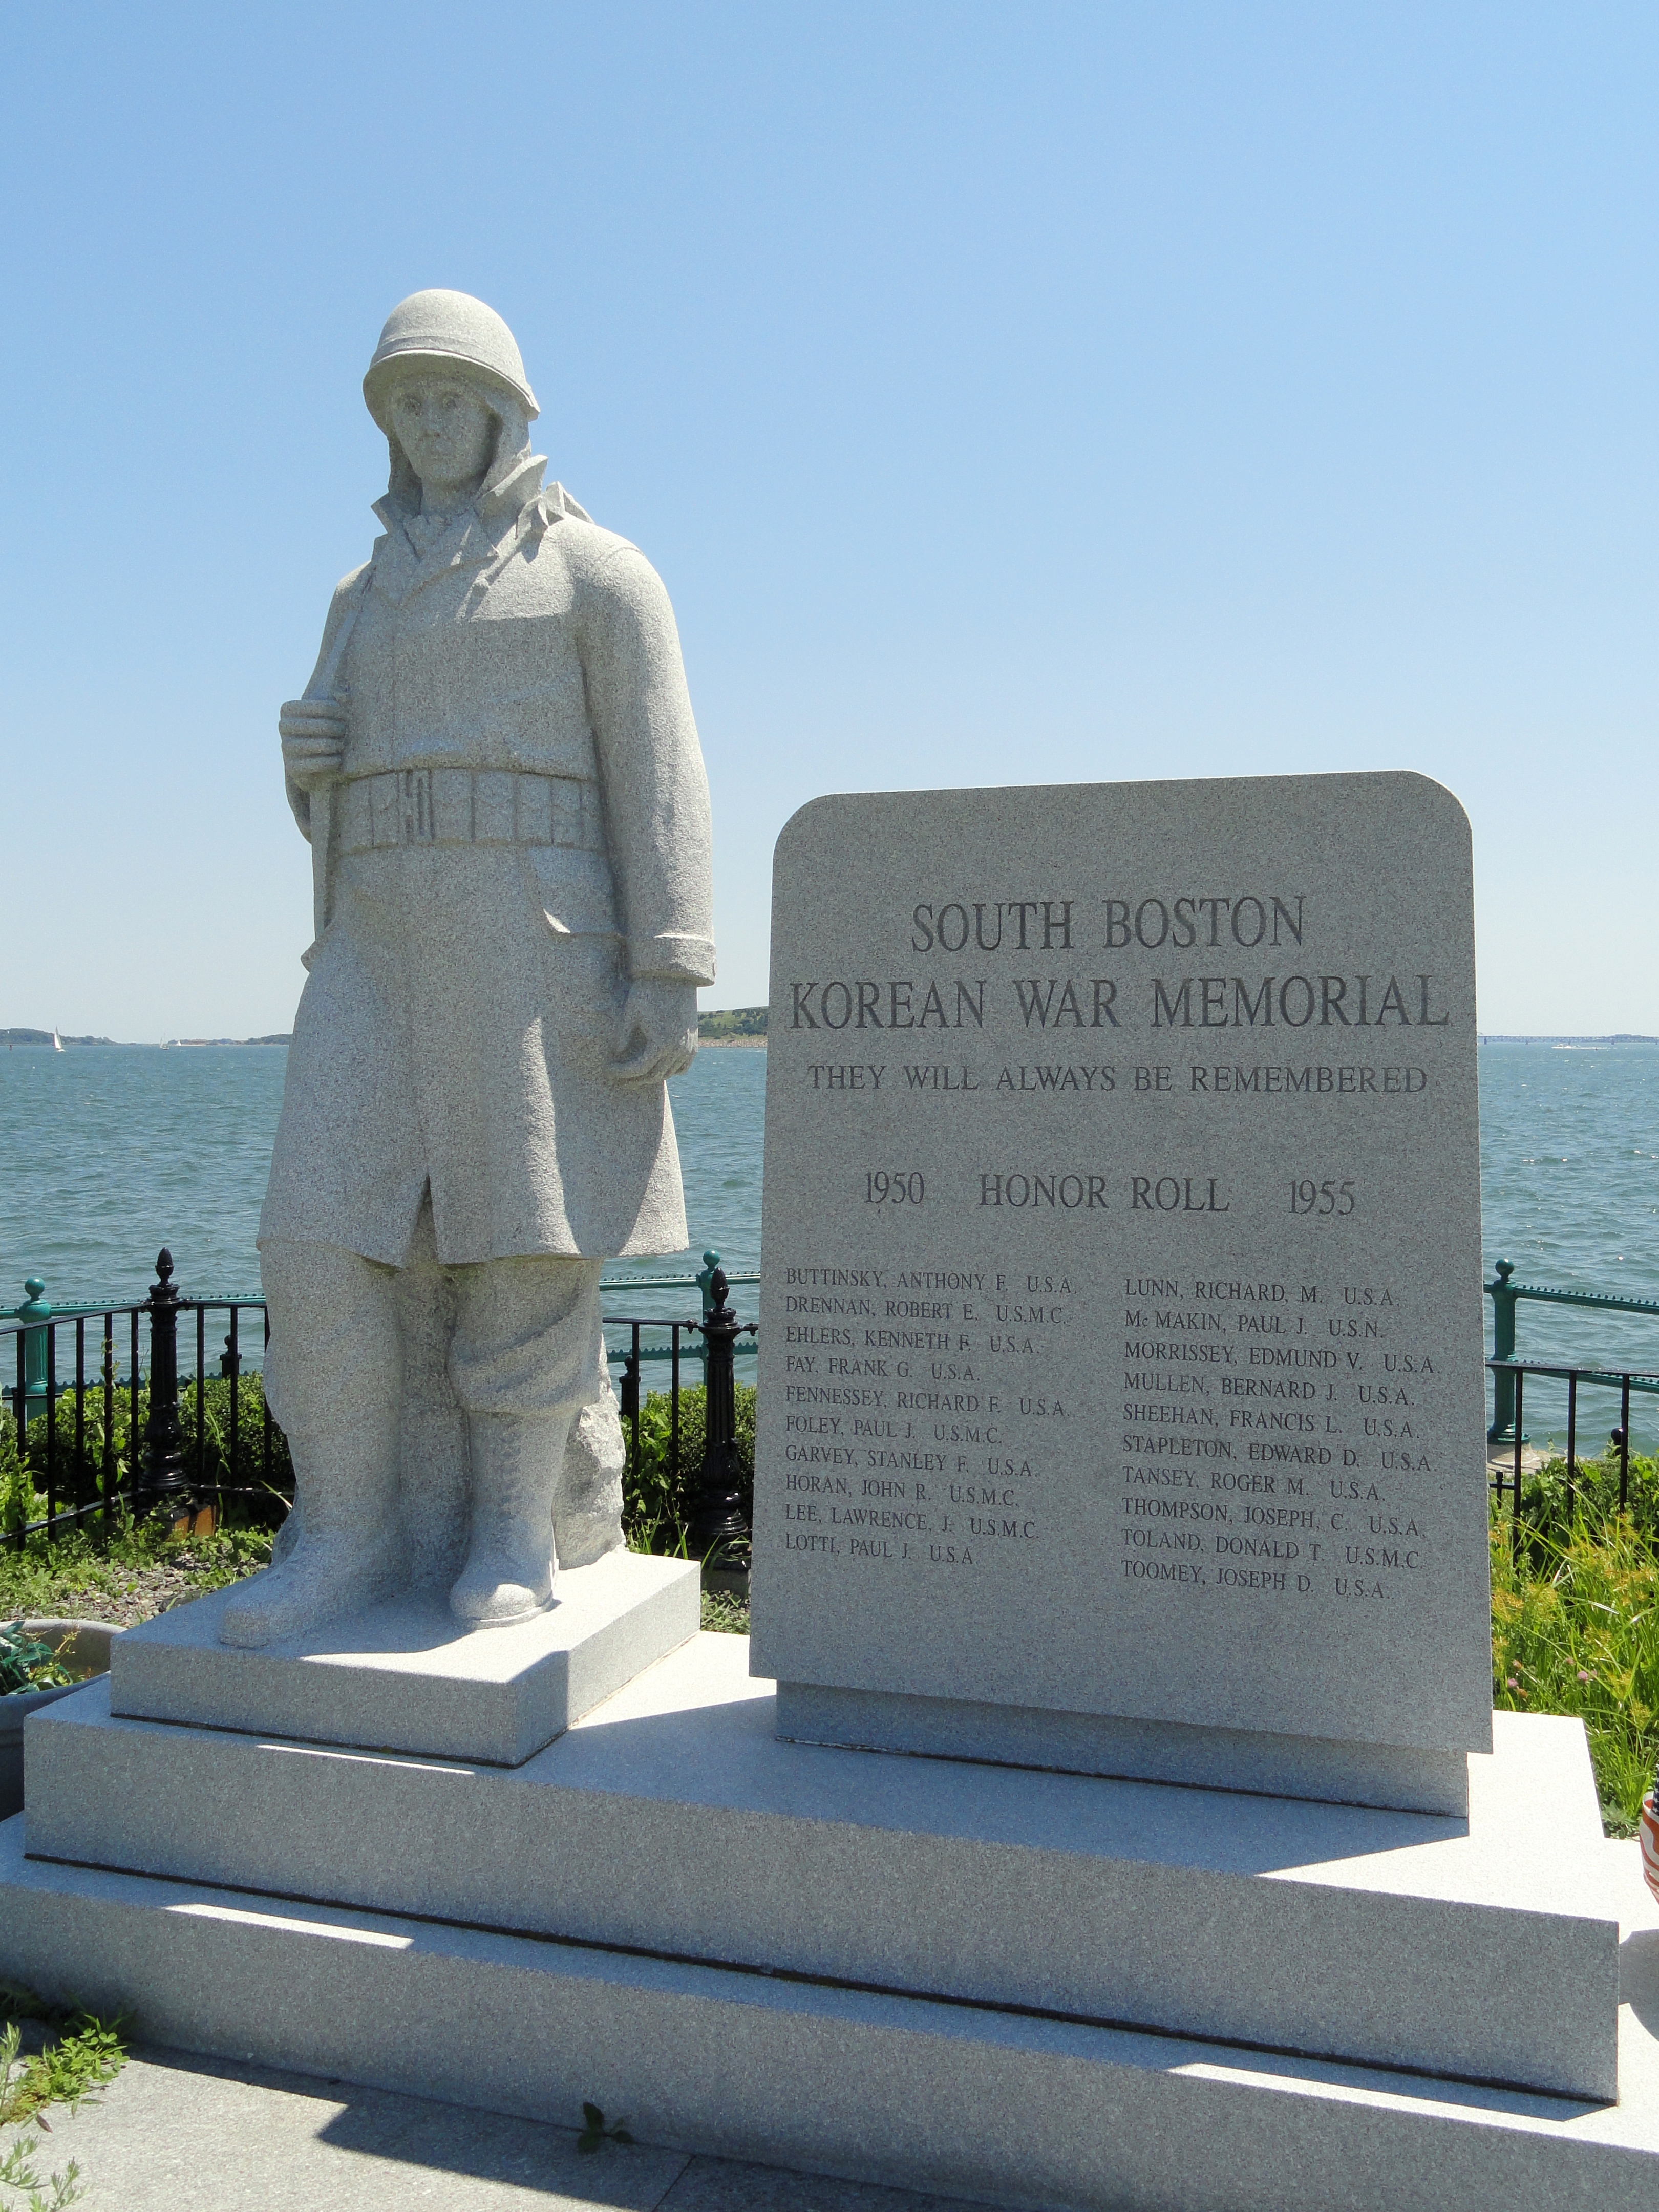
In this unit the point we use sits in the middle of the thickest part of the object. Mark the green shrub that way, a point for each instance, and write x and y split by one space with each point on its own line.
79 1471
658 1499
1576 1630
216 1433
19 1501
1595 1494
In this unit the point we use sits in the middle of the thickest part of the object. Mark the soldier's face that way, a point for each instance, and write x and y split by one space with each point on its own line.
444 427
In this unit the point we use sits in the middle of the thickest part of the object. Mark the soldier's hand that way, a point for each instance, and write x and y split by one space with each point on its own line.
657 1036
313 740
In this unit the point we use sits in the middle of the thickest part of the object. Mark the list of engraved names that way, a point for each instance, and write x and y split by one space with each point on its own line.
1121 1331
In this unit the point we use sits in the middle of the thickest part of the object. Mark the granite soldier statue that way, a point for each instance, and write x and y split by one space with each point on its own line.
497 764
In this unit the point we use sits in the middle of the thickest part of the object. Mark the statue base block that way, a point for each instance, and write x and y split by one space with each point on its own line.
405 1676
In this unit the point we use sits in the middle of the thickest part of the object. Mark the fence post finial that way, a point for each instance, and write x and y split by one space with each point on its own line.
718 1531
164 1443
34 1308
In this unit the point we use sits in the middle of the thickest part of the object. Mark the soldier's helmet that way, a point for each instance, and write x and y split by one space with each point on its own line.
439 329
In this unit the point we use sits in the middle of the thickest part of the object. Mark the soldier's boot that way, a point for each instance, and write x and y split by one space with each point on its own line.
323 1577
510 1566
334 1384
342 1548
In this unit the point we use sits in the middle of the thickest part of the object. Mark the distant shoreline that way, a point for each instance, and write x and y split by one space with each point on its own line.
733 1025
41 1040
749 1040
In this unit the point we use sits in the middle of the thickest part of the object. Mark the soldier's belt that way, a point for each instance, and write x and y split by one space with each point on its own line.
468 806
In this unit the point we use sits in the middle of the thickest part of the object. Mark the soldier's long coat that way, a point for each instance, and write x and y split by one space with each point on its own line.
462 1005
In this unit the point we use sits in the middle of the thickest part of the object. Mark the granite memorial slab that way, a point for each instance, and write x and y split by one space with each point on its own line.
1120 1356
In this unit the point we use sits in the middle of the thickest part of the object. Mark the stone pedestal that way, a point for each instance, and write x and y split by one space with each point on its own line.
407 1676
1054 1988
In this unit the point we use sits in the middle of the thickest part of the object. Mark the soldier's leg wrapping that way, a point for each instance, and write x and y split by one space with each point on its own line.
522 1364
334 1381
431 1473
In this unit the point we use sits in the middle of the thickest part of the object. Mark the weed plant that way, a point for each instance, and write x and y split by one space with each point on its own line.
53 2192
658 1498
26 1663
83 2055
1575 1608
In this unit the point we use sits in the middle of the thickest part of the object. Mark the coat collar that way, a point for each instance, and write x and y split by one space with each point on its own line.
485 535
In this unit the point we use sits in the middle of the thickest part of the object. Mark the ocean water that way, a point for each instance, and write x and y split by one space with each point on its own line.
108 1152
1570 1192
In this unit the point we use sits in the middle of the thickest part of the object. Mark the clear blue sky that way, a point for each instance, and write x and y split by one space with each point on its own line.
1006 393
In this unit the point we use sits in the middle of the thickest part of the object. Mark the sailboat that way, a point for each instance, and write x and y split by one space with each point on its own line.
56 1041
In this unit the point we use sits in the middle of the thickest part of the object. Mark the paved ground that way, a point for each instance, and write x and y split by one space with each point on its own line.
177 2134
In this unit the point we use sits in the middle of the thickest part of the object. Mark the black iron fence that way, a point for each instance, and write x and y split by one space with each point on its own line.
716 1522
94 1442
1511 1375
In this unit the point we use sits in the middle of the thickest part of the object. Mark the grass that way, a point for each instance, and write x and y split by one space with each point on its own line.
1576 1620
725 1612
135 1570
143 1569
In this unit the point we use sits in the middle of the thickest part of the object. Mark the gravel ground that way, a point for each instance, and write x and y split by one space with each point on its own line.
125 1596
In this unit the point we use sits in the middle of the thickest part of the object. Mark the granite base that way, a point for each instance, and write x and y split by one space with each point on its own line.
1402 1775
406 1676
672 1820
1025 2111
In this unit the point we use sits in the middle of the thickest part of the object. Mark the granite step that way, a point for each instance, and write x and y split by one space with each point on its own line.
672 1819
861 2084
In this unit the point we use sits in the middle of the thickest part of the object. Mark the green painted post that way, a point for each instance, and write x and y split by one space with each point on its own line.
35 1307
1504 1300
